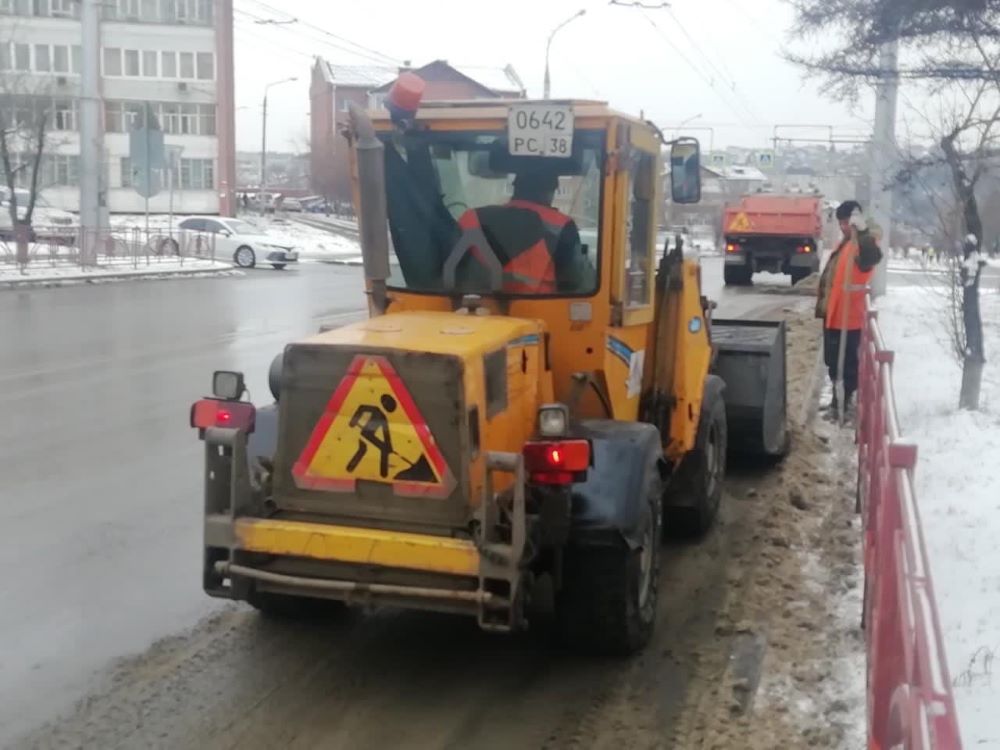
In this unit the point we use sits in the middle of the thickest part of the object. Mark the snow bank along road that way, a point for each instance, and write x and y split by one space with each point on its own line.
958 488
110 642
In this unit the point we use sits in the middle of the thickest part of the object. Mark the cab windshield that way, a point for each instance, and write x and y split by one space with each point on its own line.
449 194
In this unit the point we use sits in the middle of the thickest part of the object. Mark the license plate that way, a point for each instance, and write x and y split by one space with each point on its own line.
540 130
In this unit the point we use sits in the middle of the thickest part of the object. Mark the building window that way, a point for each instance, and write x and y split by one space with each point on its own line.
77 59
60 58
22 57
206 66
187 65
149 67
189 119
43 62
206 117
125 172
197 174
65 8
61 169
64 114
132 62
112 61
148 11
169 65
4 56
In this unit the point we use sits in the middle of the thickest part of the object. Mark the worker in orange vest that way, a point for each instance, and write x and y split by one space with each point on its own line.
538 246
841 299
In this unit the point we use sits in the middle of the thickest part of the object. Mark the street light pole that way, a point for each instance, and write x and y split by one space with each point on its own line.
548 46
263 138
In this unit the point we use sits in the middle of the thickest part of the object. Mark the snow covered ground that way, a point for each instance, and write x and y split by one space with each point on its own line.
108 269
958 486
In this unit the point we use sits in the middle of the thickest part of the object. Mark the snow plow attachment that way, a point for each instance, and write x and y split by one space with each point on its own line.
750 357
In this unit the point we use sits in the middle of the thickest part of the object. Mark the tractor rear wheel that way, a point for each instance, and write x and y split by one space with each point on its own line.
695 490
607 602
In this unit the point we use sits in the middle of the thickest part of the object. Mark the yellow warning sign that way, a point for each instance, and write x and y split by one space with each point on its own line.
371 429
741 223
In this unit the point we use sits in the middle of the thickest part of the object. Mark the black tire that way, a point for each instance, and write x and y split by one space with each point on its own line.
798 274
607 602
694 493
278 266
737 275
284 607
245 257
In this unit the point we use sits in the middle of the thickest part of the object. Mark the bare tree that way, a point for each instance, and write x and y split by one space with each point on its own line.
26 112
950 50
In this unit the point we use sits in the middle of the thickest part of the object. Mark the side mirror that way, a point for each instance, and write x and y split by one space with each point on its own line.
685 171
226 233
227 384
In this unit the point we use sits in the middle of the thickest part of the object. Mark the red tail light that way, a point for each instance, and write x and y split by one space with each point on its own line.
213 412
732 247
557 462
804 249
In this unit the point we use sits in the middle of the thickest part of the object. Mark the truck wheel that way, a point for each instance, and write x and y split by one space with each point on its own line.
737 275
694 494
284 607
798 274
607 603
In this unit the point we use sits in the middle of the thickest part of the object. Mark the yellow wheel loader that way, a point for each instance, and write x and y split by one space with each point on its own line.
536 392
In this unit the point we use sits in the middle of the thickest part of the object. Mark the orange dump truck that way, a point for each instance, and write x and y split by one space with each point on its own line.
775 233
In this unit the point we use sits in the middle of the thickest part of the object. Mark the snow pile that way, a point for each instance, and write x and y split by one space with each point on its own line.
60 273
958 491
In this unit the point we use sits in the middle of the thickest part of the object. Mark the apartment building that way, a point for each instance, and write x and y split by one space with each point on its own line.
175 55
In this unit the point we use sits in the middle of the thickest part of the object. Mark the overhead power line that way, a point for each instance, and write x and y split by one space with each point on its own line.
698 71
361 49
728 80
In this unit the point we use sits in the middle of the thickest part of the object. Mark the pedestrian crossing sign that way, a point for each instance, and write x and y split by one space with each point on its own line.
372 430
741 223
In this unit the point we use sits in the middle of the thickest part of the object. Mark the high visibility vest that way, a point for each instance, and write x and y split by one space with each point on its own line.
531 268
845 308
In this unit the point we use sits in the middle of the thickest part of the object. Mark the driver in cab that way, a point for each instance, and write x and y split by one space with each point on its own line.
537 245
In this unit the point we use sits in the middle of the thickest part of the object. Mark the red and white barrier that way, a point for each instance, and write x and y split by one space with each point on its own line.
910 701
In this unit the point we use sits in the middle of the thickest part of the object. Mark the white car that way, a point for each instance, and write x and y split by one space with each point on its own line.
48 223
246 244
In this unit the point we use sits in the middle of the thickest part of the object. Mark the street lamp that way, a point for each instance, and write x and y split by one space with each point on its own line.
263 138
548 46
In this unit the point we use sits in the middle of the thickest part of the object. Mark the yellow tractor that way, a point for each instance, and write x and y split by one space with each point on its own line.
536 393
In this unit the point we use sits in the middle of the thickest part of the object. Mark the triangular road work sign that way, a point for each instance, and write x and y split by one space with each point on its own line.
741 223
372 430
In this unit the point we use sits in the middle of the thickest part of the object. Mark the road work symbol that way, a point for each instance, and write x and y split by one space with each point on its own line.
372 430
741 223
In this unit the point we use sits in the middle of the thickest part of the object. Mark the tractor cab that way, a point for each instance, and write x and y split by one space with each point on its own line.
531 396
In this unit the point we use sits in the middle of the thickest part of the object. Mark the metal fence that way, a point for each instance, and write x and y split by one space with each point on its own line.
910 700
120 247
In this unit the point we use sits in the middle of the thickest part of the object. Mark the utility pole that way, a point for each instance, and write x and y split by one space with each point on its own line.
263 139
547 87
883 158
92 198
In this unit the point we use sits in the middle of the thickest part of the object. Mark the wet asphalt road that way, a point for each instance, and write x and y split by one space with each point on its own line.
101 478
101 484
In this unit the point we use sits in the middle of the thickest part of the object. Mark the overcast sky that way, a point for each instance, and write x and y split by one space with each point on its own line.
718 61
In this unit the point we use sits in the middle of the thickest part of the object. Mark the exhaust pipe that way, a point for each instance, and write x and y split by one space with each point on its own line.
372 212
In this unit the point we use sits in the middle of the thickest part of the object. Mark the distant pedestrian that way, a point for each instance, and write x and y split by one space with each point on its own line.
841 301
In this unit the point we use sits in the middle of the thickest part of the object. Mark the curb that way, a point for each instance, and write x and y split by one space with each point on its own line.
90 279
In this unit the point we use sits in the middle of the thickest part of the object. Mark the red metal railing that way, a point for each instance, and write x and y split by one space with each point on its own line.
910 702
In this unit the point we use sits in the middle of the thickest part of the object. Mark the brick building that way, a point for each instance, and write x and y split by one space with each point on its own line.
334 86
